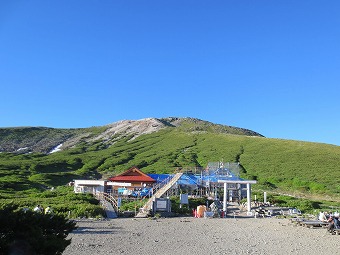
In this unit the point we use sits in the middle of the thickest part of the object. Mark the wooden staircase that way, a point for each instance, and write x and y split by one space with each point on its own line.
145 210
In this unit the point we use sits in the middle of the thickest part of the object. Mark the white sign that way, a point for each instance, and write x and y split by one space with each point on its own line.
161 204
121 184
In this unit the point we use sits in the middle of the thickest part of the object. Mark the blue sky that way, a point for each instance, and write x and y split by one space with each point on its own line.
269 66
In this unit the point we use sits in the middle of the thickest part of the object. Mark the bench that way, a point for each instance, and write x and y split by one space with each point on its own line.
297 221
313 224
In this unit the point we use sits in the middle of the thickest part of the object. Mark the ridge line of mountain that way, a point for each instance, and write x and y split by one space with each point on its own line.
48 139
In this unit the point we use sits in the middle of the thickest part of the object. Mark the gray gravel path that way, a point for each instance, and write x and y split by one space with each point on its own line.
199 236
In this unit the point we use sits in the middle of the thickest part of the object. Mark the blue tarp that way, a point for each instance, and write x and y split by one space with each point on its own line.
191 179
159 177
186 179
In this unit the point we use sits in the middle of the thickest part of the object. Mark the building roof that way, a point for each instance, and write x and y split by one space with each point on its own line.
132 175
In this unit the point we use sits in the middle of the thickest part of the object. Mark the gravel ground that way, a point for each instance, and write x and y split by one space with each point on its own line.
199 236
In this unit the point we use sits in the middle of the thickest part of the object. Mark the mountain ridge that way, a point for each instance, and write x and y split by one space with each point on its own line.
163 146
48 140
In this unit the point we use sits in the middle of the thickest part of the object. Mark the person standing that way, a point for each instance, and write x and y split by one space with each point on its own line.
38 209
48 210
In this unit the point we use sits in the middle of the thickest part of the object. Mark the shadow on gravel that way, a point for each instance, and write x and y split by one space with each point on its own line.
100 231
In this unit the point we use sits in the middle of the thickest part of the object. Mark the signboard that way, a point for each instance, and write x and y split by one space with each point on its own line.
161 205
121 184
184 198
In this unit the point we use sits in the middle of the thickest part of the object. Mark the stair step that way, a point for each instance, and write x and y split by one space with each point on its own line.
158 194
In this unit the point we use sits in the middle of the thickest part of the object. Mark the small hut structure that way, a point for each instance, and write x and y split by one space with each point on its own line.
89 186
131 179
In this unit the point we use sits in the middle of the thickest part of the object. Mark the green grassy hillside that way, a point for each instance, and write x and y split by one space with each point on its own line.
40 139
284 166
287 165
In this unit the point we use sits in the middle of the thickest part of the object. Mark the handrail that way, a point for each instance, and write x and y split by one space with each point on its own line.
160 185
166 186
107 197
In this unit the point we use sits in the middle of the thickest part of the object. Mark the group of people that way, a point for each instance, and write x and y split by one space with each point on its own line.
332 219
40 209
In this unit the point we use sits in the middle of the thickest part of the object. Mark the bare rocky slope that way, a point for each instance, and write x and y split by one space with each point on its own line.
48 140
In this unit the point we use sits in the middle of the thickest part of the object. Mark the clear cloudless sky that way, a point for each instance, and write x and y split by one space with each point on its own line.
269 66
